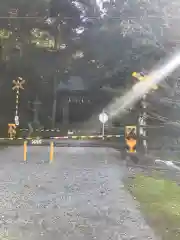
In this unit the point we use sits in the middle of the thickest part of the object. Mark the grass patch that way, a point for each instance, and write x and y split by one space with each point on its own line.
160 202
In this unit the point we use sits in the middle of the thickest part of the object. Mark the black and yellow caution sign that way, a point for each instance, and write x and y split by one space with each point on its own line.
11 130
131 138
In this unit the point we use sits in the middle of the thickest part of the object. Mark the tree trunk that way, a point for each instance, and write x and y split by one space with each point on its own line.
54 104
65 111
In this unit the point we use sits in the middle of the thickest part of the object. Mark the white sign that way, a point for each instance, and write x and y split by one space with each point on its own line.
16 119
36 141
103 117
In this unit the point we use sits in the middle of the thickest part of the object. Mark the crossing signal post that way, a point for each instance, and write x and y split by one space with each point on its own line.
18 85
131 138
142 120
142 116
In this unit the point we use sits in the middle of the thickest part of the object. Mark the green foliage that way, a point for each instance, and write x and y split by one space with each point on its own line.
160 201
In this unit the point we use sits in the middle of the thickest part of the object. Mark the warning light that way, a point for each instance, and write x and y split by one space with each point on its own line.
131 138
12 130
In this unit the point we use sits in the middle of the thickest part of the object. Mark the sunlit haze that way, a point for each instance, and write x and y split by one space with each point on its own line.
119 105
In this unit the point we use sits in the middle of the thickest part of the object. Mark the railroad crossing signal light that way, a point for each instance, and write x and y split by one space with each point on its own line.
142 77
131 138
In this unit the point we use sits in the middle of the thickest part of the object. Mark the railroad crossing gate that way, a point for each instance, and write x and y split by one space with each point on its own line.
131 138
11 130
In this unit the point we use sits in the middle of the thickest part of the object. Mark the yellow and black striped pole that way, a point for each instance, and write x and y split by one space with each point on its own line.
18 84
17 105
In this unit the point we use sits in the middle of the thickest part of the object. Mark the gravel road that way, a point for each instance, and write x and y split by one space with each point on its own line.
80 196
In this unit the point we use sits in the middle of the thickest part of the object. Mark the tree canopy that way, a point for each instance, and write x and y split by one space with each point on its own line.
103 44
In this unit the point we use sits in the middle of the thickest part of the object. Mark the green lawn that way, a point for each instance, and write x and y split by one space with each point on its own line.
160 202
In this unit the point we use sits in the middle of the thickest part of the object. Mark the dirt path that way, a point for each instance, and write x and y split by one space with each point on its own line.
79 196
